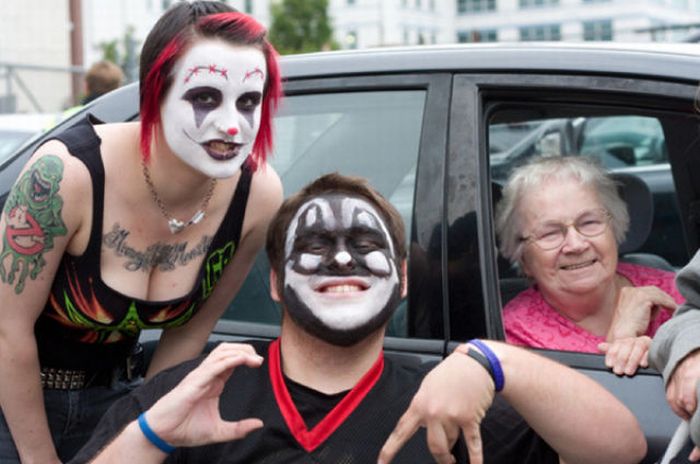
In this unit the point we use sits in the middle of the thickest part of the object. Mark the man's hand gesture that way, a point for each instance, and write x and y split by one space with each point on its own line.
189 414
453 398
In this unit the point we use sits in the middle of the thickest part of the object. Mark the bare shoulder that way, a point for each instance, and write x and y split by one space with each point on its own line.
53 158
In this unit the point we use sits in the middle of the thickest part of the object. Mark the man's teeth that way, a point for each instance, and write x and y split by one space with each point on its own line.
342 289
573 267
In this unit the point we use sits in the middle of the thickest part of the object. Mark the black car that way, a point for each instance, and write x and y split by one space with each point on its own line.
437 130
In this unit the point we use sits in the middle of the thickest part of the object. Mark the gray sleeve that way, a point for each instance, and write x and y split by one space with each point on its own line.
680 335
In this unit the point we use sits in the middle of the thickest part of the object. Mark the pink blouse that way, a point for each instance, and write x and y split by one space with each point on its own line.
530 321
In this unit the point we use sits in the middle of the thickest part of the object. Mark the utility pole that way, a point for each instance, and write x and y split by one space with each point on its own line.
76 47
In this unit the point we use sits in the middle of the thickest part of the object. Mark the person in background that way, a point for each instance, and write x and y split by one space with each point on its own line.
675 352
102 77
561 220
325 392
115 228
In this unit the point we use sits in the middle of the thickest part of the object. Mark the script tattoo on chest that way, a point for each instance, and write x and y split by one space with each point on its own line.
163 256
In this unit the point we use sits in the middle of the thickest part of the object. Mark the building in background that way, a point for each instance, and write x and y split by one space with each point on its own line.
35 56
576 20
45 44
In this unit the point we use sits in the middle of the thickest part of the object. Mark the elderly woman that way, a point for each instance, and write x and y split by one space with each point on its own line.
561 220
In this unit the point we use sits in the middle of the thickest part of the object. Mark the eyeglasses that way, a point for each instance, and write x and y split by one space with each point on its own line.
551 235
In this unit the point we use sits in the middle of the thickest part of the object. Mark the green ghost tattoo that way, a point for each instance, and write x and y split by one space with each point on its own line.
33 219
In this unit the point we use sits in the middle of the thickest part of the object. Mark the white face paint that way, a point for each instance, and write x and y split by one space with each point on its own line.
340 266
211 113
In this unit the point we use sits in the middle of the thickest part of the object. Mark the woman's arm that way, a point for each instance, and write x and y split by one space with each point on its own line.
40 217
181 343
627 345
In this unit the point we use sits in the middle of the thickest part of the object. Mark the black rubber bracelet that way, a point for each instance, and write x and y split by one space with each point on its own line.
481 359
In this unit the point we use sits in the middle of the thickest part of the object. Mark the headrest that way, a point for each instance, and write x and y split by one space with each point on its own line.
635 192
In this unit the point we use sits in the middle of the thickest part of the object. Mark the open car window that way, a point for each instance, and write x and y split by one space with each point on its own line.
626 142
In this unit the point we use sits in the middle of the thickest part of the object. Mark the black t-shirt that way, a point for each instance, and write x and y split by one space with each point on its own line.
353 432
88 325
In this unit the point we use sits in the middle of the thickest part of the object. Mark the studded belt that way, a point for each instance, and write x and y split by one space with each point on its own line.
130 368
63 379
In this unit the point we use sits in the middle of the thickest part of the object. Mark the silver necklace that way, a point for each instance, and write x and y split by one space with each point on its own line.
175 225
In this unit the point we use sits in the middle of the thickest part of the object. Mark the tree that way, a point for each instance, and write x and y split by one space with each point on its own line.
123 53
300 26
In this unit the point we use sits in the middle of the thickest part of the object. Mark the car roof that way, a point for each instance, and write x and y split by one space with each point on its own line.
663 60
29 123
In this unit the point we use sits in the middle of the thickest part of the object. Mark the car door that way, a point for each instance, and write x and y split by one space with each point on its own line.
506 118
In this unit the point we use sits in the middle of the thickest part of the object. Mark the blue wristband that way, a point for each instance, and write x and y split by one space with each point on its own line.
496 372
148 432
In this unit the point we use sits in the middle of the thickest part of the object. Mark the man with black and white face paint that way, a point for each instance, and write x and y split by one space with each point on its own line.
325 392
341 276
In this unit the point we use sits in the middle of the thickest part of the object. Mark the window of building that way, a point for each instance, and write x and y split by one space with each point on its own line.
595 1
537 3
483 35
432 5
597 30
350 2
248 6
351 40
680 4
475 6
535 33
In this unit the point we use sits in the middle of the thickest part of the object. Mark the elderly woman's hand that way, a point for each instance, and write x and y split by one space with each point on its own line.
627 346
634 310
625 355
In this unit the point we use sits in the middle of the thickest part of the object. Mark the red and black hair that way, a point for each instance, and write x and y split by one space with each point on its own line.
174 33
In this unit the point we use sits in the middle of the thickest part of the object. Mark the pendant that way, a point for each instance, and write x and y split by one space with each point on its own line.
197 218
175 225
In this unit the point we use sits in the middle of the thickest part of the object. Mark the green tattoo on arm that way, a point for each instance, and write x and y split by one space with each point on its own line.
33 219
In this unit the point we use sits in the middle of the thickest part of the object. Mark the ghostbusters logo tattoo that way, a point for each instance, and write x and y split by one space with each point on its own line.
341 280
33 219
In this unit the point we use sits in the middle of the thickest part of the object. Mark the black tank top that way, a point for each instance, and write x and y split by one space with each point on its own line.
87 324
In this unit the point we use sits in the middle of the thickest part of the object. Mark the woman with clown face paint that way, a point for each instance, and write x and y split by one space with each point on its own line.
115 228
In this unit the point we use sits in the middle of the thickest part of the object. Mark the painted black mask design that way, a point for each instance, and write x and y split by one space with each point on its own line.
341 280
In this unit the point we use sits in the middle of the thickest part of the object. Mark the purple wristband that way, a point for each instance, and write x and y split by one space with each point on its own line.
496 372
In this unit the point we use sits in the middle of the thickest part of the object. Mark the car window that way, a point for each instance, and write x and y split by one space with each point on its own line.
633 147
370 134
617 142
623 141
